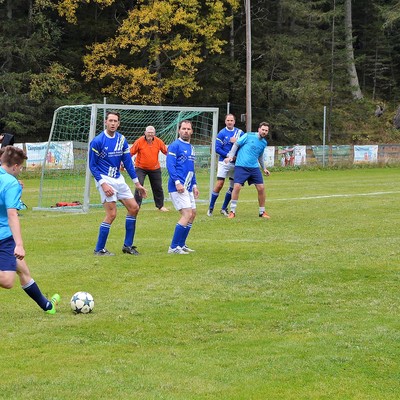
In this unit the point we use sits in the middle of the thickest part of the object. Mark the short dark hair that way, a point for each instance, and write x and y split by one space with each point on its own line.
11 155
114 113
186 121
263 124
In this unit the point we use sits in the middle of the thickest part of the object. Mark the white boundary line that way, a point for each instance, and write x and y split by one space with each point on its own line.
333 196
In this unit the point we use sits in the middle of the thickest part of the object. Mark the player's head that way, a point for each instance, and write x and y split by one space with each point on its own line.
185 130
112 122
263 129
12 159
230 121
150 132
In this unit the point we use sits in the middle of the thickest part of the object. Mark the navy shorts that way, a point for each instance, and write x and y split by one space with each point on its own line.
251 175
8 262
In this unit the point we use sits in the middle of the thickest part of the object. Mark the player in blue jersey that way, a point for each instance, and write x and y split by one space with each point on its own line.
107 150
12 252
223 145
250 156
182 186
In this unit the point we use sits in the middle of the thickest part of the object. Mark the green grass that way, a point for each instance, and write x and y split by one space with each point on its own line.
303 306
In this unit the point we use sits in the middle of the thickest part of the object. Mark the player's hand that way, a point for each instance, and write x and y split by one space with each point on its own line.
180 188
142 191
266 172
196 193
227 160
19 252
108 190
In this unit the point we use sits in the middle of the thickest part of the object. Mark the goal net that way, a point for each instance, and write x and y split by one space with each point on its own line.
66 183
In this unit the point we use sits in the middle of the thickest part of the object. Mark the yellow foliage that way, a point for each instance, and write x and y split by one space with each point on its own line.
161 43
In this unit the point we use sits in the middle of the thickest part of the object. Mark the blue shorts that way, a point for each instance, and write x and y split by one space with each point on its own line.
251 175
8 262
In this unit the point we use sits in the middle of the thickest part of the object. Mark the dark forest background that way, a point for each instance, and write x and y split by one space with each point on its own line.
344 55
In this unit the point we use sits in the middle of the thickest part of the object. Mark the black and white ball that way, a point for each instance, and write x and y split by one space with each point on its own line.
82 303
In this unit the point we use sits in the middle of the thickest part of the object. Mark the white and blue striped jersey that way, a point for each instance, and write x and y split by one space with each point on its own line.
180 165
223 144
106 154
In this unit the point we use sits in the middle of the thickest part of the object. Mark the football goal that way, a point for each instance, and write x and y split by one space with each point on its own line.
66 183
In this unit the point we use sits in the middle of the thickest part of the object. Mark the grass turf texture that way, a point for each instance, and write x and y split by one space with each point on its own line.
303 306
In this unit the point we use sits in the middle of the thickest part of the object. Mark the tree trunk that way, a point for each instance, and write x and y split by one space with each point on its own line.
351 67
396 119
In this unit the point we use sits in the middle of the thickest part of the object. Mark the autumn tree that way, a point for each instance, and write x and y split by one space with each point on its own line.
156 51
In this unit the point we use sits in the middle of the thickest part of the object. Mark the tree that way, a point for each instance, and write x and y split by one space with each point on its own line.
351 66
29 44
156 51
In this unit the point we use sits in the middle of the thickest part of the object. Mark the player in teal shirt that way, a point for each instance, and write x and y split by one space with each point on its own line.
250 156
12 252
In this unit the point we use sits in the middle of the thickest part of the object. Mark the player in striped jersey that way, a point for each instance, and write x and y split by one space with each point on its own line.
223 145
107 150
182 186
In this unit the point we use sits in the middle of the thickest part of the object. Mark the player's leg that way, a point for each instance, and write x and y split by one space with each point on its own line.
182 203
110 209
228 194
240 177
219 184
130 225
261 201
189 225
215 194
141 175
157 189
8 263
32 289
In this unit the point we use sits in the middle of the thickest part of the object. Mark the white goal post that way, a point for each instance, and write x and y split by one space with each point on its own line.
66 181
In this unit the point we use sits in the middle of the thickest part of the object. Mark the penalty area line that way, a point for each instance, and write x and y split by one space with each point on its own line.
335 196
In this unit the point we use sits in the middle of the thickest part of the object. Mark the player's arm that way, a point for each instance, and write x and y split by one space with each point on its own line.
13 222
129 167
262 164
171 168
232 154
219 147
93 162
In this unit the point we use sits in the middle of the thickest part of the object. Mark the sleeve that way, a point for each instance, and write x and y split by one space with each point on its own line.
13 195
219 144
134 148
171 163
163 147
94 154
127 161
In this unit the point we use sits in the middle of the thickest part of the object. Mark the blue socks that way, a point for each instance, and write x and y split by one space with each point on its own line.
130 228
179 236
33 291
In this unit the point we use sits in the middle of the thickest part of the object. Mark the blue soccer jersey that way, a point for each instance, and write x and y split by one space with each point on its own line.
180 165
10 197
106 154
251 148
223 143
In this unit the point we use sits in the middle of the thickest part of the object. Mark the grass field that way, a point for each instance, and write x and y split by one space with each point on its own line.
303 306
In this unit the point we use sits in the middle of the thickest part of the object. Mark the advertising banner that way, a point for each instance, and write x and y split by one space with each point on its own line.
366 154
59 156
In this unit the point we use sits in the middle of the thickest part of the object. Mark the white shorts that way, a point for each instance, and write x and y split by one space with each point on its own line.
225 170
183 200
121 189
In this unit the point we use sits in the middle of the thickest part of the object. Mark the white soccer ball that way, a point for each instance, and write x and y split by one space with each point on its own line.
82 303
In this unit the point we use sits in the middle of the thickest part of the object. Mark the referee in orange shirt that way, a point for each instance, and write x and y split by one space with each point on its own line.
147 149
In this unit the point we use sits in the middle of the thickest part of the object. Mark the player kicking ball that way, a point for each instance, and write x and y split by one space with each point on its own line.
12 252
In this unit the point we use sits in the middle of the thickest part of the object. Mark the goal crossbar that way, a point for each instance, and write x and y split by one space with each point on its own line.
65 178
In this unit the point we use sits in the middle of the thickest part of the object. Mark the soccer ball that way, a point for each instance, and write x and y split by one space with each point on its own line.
82 302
